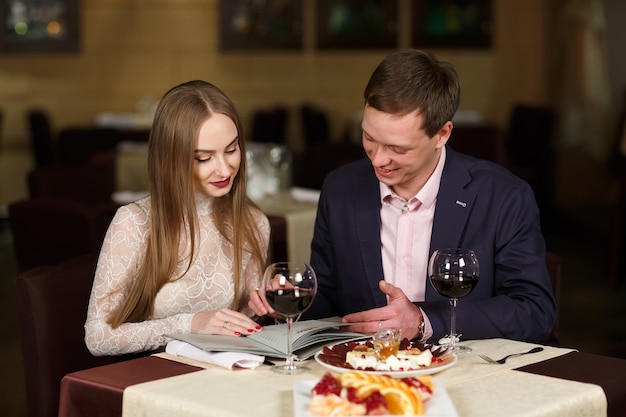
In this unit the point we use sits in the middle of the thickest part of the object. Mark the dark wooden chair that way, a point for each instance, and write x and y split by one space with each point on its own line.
41 137
531 154
67 213
47 231
51 312
270 125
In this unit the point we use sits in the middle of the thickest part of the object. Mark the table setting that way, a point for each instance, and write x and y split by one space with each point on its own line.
383 371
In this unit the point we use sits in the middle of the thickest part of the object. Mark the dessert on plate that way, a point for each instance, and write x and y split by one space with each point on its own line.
409 356
360 394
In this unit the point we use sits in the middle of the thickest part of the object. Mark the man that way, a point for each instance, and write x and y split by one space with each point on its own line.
379 219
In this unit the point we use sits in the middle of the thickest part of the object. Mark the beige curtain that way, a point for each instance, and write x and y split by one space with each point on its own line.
584 98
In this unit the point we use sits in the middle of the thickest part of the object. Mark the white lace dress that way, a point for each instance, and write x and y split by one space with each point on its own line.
208 285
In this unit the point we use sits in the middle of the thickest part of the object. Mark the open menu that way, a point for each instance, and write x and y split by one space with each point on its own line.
308 338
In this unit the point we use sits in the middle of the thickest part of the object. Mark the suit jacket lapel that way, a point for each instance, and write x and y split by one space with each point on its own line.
367 217
454 204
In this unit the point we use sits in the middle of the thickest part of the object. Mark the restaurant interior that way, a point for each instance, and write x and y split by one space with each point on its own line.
543 93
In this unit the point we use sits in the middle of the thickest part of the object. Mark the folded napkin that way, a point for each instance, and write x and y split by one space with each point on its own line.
228 360
305 195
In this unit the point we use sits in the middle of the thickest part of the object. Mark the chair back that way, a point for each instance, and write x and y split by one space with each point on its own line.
51 311
90 183
47 231
531 153
554 263
41 137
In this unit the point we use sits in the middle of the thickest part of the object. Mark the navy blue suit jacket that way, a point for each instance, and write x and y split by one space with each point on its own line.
480 206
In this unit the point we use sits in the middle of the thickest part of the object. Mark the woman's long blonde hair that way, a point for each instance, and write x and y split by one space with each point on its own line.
175 129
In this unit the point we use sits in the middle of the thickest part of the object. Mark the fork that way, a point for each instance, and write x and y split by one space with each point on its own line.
501 361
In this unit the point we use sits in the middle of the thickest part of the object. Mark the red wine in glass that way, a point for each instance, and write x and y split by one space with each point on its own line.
289 302
290 289
453 285
454 274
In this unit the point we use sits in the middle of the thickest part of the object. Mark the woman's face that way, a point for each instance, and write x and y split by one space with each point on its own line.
217 156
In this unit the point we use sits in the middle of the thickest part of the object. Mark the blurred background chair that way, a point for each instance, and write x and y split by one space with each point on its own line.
93 183
270 125
77 145
51 306
47 231
67 213
484 141
41 137
323 153
529 141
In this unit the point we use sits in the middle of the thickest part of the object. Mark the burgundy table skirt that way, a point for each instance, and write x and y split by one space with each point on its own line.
98 392
605 371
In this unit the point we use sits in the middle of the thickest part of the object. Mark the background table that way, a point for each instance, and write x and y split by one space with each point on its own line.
300 218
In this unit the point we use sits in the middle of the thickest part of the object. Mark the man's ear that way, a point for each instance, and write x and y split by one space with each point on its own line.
444 134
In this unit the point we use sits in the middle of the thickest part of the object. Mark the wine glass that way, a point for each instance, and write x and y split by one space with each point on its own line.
454 274
290 288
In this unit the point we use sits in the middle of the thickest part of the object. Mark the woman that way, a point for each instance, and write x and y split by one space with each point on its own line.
185 258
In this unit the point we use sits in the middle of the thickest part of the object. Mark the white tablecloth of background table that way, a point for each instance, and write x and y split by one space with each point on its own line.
300 218
477 389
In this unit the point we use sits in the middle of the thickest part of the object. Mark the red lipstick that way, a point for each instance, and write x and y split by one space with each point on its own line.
221 184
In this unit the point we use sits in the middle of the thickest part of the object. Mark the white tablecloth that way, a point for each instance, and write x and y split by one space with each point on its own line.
131 167
300 218
477 389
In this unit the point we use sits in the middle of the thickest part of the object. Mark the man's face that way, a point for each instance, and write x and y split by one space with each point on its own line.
402 154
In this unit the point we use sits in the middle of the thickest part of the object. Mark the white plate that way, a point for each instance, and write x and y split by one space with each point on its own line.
449 359
439 405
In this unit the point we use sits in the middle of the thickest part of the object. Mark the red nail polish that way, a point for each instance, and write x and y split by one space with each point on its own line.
250 330
237 334
258 327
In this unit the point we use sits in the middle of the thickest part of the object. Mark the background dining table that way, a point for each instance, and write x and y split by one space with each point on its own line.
553 382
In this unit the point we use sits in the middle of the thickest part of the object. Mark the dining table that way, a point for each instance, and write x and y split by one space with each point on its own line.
556 381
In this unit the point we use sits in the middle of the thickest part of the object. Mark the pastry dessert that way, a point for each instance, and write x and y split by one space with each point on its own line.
359 394
362 356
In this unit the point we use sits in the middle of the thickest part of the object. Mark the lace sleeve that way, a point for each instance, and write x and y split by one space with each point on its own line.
122 251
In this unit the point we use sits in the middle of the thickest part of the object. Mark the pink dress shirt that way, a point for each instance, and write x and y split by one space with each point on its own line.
405 232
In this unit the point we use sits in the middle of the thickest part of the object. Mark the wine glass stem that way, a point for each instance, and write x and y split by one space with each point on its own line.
289 361
453 322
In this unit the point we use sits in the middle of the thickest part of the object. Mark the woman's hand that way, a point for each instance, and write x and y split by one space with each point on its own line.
223 321
258 304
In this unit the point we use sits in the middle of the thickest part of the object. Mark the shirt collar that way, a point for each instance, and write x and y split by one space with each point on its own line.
427 195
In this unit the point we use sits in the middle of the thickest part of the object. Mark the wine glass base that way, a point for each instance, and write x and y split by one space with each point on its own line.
289 369
458 349
451 343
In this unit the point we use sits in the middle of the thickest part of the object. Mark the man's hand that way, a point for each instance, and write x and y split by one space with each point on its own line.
399 313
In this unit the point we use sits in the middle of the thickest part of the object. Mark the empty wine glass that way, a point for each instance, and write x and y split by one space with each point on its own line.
290 288
454 274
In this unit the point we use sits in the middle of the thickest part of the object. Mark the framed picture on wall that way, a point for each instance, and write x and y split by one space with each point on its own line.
39 26
452 23
260 25
357 24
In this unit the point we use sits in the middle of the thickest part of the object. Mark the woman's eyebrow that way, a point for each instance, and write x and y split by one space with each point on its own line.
212 151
